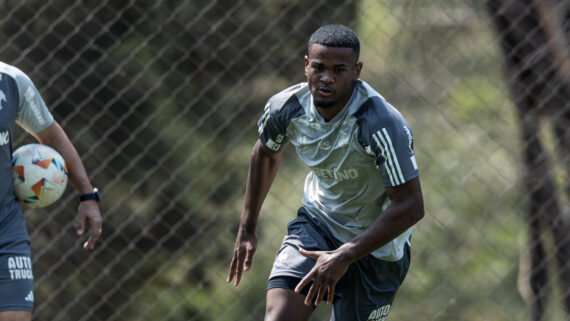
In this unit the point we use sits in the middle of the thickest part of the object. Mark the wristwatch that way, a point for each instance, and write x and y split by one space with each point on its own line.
90 196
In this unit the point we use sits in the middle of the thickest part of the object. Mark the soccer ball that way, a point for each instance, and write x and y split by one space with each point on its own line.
39 175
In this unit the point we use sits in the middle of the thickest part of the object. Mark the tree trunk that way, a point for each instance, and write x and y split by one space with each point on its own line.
536 55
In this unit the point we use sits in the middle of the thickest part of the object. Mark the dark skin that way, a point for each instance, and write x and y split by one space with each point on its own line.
88 213
262 169
331 76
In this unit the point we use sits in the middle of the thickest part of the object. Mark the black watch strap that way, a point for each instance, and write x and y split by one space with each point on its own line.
90 196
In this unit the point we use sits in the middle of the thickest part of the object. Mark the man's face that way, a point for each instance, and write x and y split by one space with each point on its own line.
331 73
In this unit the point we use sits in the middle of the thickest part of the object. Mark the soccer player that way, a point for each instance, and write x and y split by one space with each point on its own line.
21 103
350 242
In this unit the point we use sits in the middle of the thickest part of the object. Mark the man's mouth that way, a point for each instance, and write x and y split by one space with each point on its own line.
325 91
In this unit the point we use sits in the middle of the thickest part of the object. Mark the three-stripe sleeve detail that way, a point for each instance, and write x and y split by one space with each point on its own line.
391 164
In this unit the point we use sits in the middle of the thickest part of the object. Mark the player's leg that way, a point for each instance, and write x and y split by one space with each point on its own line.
289 268
15 316
286 305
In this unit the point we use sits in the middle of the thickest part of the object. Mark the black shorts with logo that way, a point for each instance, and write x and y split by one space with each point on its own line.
16 278
365 291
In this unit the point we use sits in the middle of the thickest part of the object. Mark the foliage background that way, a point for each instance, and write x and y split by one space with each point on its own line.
161 99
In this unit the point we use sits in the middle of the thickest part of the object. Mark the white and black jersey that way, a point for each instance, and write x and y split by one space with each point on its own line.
366 147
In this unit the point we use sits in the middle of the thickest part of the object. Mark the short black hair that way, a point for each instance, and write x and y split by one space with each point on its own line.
337 36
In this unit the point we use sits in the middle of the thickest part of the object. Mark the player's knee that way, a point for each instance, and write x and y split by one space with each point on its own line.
275 314
15 316
273 309
286 305
270 314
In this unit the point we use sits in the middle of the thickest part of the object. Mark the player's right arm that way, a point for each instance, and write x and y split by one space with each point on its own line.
264 162
88 211
263 167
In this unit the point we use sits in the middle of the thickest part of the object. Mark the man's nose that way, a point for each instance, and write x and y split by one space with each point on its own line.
327 77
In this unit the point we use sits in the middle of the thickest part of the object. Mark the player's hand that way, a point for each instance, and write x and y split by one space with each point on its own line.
88 213
246 243
329 268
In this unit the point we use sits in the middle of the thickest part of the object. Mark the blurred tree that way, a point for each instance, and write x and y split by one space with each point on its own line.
534 38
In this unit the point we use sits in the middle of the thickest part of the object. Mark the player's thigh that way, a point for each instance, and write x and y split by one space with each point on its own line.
15 316
286 305
289 262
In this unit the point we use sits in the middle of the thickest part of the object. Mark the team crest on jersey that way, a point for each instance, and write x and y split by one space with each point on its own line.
326 145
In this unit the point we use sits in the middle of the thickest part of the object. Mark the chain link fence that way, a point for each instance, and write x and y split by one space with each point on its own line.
161 100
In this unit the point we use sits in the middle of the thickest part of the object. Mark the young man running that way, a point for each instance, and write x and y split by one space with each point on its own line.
350 243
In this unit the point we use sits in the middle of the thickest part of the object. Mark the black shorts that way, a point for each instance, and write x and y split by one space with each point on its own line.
16 278
365 291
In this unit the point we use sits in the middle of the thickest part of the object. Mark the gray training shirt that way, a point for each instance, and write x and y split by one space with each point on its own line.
366 147
20 103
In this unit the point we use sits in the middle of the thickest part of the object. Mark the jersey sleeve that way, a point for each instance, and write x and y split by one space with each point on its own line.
277 114
388 138
272 131
32 113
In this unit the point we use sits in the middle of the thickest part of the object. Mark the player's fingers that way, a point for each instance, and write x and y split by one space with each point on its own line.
304 281
310 254
330 294
95 233
312 292
248 259
88 245
79 224
239 268
322 288
232 269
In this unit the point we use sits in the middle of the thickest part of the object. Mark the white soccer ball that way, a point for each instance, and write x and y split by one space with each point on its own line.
39 175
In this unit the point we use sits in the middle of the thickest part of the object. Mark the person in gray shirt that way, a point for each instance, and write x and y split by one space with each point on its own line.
350 242
21 103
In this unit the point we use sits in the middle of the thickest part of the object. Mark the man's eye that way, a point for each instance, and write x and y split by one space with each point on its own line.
318 68
339 70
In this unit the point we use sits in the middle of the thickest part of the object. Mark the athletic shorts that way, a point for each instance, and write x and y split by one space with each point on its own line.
16 278
364 292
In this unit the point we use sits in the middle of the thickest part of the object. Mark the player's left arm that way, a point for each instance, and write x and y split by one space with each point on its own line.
88 211
406 210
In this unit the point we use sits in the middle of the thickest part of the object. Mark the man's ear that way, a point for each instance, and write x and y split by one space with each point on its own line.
306 65
357 70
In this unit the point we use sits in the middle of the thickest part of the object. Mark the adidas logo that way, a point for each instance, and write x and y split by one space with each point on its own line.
30 297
